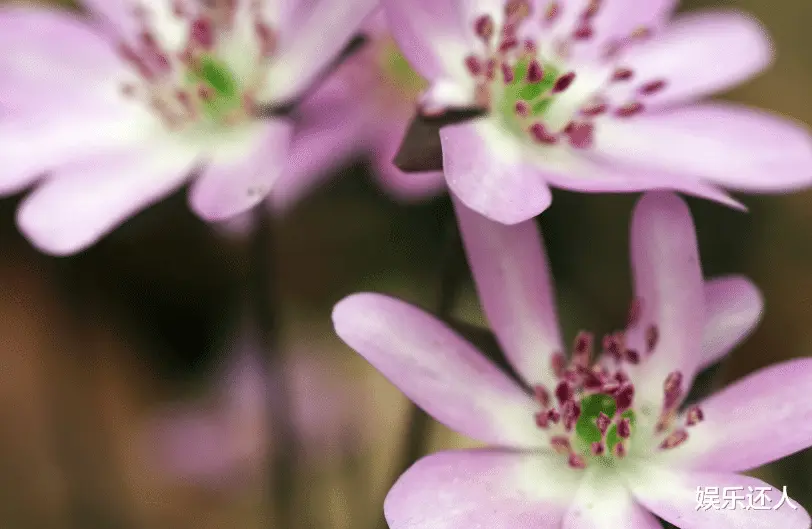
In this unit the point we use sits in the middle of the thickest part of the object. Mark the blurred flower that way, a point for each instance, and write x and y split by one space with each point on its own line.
123 109
364 108
597 442
595 96
229 440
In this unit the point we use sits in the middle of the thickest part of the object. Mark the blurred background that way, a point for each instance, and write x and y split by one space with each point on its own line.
130 398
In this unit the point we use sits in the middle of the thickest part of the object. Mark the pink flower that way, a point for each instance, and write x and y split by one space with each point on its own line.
363 109
595 96
123 108
587 441
227 439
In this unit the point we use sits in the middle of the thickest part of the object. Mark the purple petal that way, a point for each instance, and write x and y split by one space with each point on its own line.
438 370
316 42
668 280
733 307
468 488
604 502
729 145
240 178
485 169
435 36
512 277
759 419
673 496
71 211
700 54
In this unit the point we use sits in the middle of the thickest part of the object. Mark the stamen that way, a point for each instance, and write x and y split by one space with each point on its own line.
539 134
559 364
535 73
576 461
629 109
267 38
624 397
613 345
584 31
474 65
563 82
202 33
622 74
652 337
694 416
507 74
632 356
541 395
602 422
652 87
598 448
596 108
484 27
582 135
582 349
542 420
635 311
673 389
620 450
563 392
674 440
560 444
624 428
522 108
554 415
552 12
570 414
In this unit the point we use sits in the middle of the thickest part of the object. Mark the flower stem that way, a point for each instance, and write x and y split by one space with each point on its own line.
282 435
419 423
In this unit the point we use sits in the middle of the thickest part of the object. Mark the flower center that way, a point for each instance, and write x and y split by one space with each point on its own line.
525 85
210 78
590 415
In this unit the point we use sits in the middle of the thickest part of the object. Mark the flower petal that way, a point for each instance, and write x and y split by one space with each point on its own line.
733 307
485 169
512 277
438 370
697 55
680 497
316 42
759 419
730 145
240 174
668 281
71 211
434 36
468 488
604 502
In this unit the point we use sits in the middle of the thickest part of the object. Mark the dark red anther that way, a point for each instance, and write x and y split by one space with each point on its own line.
652 87
540 135
542 420
541 395
582 348
508 43
576 461
629 109
582 135
652 337
522 108
530 46
560 444
563 82
559 364
507 73
594 109
554 415
602 421
484 27
474 65
613 345
563 392
694 416
674 440
205 92
592 9
593 381
490 69
620 450
622 74
598 448
535 73
672 388
624 428
553 11
570 414
624 397
584 31
201 32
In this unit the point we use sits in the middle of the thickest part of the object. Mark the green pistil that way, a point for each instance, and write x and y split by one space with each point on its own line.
586 429
537 95
226 93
